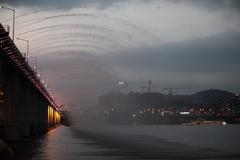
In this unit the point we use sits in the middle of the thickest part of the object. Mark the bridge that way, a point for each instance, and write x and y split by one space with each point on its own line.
26 107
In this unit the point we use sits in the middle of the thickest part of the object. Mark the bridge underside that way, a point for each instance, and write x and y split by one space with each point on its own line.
26 108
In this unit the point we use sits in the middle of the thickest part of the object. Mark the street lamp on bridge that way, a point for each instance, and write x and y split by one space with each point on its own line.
35 67
14 17
27 41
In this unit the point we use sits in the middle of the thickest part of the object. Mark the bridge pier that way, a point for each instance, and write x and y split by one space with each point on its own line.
12 104
2 115
24 113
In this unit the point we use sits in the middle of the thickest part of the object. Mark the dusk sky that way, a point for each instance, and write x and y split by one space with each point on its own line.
84 47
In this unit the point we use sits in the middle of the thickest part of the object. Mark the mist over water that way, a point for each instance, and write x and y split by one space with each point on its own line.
222 138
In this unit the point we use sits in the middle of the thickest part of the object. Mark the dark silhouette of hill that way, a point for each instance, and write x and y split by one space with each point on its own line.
212 96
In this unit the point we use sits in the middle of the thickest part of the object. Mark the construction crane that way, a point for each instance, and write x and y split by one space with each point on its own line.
172 90
149 86
126 84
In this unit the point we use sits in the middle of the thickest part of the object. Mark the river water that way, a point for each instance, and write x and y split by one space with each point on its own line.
140 142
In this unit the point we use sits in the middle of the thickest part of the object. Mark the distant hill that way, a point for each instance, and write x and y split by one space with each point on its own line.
212 96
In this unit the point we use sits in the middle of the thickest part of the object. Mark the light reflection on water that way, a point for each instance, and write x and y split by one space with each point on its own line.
62 144
140 142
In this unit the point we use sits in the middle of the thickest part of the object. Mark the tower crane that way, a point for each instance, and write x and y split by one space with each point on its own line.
126 84
172 90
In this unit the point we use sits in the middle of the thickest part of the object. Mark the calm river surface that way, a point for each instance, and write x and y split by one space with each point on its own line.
140 142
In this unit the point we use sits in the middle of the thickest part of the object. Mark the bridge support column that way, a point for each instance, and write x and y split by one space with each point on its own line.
25 112
43 113
33 112
12 107
2 95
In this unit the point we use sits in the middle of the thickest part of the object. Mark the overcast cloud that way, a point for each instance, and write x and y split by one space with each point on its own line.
84 47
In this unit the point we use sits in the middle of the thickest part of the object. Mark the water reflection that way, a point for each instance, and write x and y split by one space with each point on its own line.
126 142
